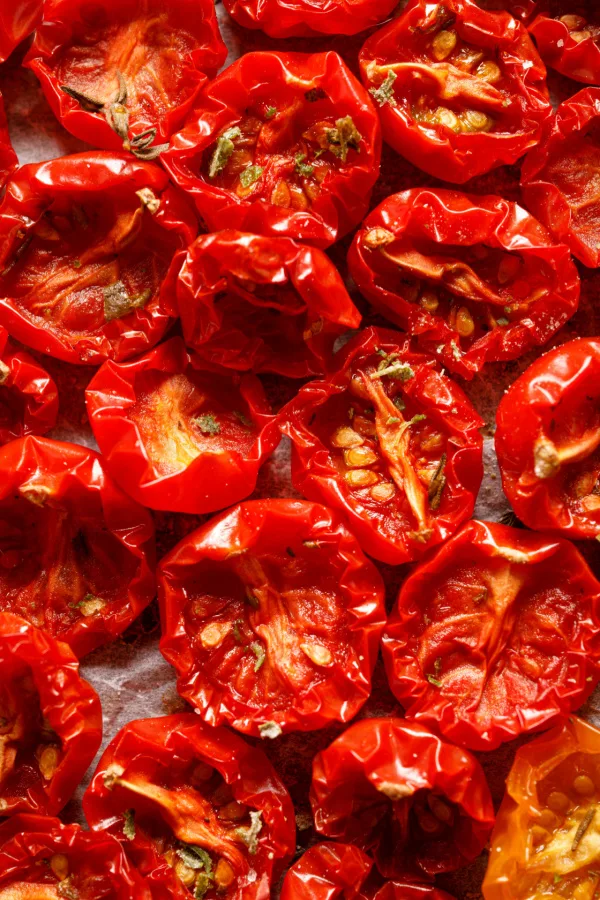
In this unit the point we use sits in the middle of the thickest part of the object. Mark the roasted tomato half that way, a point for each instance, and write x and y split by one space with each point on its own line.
199 811
284 144
264 304
85 243
272 617
124 73
419 805
8 157
76 553
390 442
495 635
547 834
18 18
50 721
521 9
567 33
460 90
42 859
28 396
548 441
475 279
178 435
559 178
327 872
400 890
305 18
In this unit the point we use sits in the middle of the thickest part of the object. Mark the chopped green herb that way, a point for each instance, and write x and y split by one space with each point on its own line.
420 417
236 631
77 264
456 351
301 167
393 420
502 321
129 824
195 858
399 402
250 175
271 111
385 92
250 835
270 730
223 150
433 680
208 424
242 418
203 882
343 137
259 652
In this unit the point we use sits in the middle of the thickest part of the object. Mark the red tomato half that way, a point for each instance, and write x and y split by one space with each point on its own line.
76 553
28 396
495 635
476 279
178 435
8 157
548 441
282 144
85 243
50 721
396 890
42 859
559 180
391 443
522 9
261 303
460 90
198 810
272 617
18 18
567 35
123 74
421 806
326 872
306 18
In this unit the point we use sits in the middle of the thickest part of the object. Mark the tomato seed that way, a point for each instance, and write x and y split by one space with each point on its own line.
224 875
360 456
443 44
60 866
558 802
383 492
346 437
317 653
584 786
361 478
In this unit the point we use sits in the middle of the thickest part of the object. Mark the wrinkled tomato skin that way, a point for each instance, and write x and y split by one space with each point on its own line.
96 863
66 705
298 611
28 396
254 85
308 421
327 871
557 177
109 239
76 553
450 230
458 149
18 18
577 59
553 398
139 410
261 304
8 157
86 47
521 9
164 751
494 652
396 890
519 858
306 19
369 783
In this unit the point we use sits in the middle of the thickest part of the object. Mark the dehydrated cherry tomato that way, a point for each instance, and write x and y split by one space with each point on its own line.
548 440
199 811
124 73
306 18
18 18
28 396
559 180
567 34
396 890
545 843
284 144
177 434
272 617
327 871
85 243
460 90
418 804
76 553
42 859
263 303
495 635
523 9
391 443
8 157
50 720
477 279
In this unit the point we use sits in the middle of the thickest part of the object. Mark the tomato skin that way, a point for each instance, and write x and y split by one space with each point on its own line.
579 60
73 34
449 220
8 157
107 183
221 475
18 18
315 472
145 748
522 102
327 871
29 398
67 702
476 583
396 890
289 330
377 759
306 19
97 861
258 82
84 524
342 616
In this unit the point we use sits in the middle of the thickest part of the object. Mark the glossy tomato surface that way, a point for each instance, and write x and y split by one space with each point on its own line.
272 617
567 35
28 395
8 157
18 18
306 18
327 871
